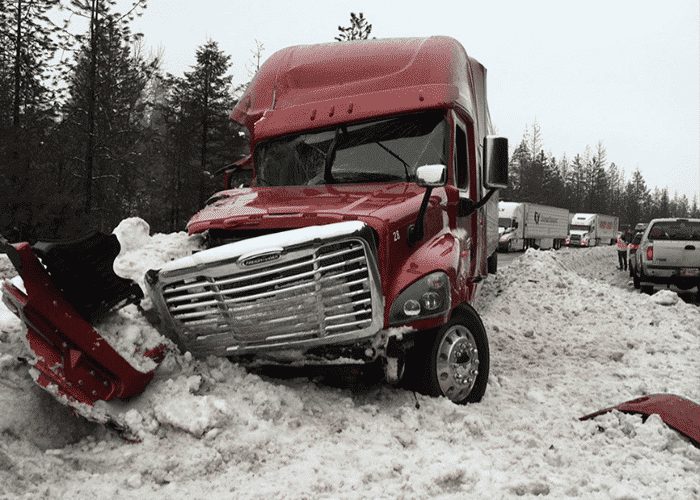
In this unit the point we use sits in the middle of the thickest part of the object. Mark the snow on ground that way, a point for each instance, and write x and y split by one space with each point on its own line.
568 337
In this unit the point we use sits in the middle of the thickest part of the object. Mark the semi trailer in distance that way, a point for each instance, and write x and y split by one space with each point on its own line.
589 230
524 225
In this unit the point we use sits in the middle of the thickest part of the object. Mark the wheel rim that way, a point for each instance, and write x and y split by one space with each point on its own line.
457 363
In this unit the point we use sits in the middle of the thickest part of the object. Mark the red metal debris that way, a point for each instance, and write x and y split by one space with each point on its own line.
70 354
677 412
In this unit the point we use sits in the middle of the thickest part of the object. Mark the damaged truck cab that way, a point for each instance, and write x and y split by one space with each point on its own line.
369 223
365 232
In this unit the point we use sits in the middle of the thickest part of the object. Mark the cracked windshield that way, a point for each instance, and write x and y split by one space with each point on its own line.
386 150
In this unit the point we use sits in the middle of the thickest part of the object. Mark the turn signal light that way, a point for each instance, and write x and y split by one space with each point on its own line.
650 253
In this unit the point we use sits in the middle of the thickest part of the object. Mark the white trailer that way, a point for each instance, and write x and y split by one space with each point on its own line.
589 230
524 225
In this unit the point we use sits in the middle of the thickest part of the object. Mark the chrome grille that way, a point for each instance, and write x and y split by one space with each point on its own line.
319 292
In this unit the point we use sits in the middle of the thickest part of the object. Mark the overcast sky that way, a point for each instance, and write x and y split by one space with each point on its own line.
624 72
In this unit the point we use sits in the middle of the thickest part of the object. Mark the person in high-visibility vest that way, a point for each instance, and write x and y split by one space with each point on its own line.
621 252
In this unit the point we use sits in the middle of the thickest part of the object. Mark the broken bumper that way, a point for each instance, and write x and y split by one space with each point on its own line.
71 359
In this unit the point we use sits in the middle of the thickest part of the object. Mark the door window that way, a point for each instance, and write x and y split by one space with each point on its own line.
461 158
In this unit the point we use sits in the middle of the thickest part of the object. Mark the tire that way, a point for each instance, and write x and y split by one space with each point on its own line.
492 263
648 289
428 370
636 281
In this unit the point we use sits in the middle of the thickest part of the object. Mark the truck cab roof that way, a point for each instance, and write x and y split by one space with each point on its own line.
308 87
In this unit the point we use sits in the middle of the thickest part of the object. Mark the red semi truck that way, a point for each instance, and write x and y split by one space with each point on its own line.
364 233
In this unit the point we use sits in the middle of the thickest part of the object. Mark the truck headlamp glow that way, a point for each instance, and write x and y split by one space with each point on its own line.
429 296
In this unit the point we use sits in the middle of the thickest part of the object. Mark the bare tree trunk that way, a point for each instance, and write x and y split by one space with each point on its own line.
18 73
205 132
90 145
175 207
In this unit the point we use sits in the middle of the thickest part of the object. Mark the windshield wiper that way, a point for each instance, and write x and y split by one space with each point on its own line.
405 165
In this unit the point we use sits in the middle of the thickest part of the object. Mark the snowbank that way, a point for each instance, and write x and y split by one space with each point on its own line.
566 339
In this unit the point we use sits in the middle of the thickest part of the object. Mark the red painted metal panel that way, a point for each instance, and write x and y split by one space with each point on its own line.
677 412
69 352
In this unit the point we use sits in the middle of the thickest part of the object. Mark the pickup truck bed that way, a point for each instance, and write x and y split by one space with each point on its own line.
670 253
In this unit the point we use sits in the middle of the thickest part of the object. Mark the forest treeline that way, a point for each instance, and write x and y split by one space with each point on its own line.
588 182
92 130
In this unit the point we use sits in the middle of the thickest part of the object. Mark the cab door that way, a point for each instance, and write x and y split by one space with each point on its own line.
464 176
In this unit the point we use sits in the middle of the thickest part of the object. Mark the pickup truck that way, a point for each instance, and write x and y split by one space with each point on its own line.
669 253
364 233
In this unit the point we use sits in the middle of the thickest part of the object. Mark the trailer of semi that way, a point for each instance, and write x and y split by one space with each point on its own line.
529 225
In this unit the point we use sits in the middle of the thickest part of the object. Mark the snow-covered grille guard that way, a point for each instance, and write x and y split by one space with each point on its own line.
300 288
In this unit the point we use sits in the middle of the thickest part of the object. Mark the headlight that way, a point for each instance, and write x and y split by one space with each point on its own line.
427 297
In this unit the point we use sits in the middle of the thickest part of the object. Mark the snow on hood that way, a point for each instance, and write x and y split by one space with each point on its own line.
565 341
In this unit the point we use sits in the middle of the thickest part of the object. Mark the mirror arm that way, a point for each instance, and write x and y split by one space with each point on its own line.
415 231
230 166
481 203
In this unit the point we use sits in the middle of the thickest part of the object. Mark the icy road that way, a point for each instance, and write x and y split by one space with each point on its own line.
568 336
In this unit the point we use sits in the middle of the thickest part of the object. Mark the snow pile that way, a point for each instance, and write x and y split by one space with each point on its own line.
127 330
665 298
130 334
141 252
564 343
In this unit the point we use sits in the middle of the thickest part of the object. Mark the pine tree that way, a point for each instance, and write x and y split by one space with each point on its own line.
694 209
637 199
94 80
597 196
518 163
27 45
28 42
552 183
616 189
105 110
576 184
359 29
199 128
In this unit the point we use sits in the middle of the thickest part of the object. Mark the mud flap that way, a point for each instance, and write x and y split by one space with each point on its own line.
73 284
678 413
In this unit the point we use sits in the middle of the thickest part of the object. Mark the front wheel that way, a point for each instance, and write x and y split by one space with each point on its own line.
454 361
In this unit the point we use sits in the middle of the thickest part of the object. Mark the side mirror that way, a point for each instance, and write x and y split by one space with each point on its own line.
496 162
237 173
431 175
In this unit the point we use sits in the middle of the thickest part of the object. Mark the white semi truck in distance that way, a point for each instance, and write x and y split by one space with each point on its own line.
524 225
589 230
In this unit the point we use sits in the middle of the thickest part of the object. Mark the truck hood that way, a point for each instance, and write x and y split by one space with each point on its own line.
578 232
506 236
380 204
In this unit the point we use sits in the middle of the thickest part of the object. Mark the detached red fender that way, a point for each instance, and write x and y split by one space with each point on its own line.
678 413
70 353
